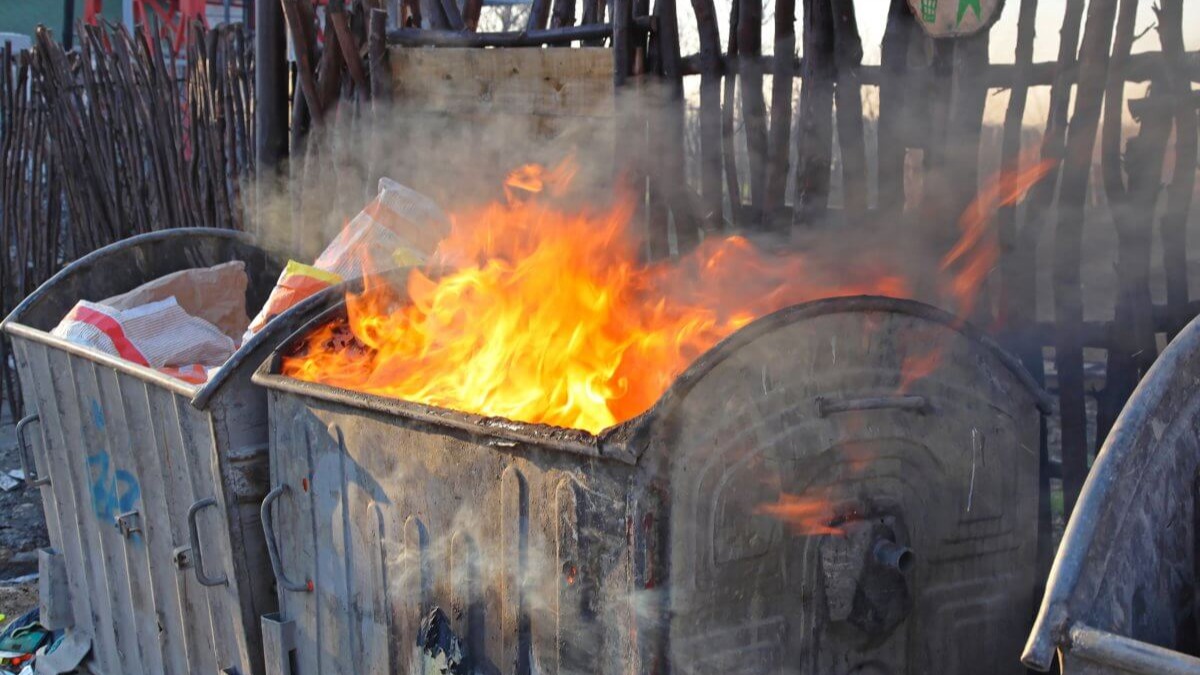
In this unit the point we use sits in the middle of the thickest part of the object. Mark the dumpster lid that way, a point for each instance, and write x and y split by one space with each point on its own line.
627 440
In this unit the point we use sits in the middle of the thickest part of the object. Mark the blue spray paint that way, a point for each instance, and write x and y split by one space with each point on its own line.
97 415
113 491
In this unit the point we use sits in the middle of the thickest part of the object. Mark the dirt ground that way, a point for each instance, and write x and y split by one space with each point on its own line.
16 600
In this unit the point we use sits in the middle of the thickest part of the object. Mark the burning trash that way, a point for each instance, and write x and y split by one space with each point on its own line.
544 314
538 310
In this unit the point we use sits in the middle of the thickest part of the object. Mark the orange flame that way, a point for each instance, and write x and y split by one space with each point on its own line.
546 314
976 252
534 178
977 249
915 367
807 515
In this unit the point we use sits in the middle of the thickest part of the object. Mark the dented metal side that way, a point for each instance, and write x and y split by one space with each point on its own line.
411 542
130 458
1127 565
908 433
119 449
387 522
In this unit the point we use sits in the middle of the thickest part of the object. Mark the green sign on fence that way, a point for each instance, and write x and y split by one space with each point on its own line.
955 18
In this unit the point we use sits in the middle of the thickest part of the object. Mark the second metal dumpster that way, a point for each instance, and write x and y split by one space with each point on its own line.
413 538
150 485
1123 596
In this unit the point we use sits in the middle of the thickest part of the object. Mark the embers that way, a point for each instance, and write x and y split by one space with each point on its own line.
340 338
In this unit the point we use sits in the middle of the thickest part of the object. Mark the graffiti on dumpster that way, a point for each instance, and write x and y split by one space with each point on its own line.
97 415
114 491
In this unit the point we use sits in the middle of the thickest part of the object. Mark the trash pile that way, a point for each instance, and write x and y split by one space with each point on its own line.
189 323
184 324
22 641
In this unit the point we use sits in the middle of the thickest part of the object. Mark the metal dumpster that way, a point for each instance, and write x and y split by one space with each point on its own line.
409 538
1124 590
150 485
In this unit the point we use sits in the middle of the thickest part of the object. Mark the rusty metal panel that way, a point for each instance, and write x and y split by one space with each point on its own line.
148 476
477 545
1127 564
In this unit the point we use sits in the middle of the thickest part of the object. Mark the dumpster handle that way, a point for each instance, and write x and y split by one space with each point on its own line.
917 404
273 547
194 532
27 465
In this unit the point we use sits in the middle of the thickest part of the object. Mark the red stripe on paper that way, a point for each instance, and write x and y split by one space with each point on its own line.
113 330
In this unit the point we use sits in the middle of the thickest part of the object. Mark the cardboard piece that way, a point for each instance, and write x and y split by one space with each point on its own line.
215 294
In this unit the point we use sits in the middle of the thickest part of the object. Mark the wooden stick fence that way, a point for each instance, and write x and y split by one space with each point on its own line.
110 141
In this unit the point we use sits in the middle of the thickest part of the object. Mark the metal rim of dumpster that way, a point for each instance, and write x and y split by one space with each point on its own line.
200 394
620 442
1055 627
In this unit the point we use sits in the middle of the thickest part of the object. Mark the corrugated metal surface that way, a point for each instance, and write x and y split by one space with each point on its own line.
406 529
128 452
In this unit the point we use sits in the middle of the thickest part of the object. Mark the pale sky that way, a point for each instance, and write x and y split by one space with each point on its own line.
872 19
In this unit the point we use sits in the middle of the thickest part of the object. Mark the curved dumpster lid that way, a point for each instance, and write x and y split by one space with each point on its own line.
126 264
1131 444
622 441
679 389
264 342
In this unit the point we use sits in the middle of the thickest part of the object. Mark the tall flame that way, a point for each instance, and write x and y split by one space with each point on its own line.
541 313
974 256
977 249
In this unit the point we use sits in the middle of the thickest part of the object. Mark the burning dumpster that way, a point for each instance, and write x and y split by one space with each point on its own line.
150 484
1122 595
808 496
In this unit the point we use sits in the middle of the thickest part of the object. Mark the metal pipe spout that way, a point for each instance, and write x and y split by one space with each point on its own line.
890 554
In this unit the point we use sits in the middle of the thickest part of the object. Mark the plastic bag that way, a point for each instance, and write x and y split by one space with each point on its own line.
159 334
399 228
297 282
